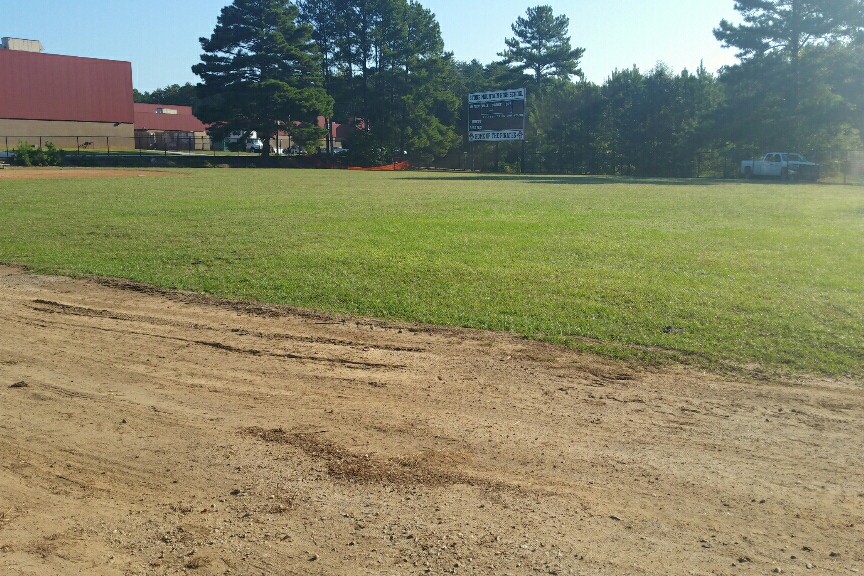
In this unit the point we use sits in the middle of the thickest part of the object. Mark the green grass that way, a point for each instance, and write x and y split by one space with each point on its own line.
722 274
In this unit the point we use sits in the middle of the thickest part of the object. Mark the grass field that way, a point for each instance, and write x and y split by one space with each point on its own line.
740 276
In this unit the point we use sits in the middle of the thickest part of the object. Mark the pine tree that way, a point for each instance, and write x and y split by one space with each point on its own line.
541 45
185 95
389 73
788 26
260 68
772 89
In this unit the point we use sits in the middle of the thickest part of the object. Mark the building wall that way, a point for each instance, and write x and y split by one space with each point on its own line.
172 140
169 127
37 86
67 134
70 101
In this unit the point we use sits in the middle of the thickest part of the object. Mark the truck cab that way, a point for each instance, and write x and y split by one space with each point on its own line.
783 165
244 140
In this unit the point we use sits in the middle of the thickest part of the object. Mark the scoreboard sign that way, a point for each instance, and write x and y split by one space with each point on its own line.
496 116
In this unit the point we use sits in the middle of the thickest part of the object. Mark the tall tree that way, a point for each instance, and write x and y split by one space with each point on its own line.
316 13
541 45
389 73
415 108
788 26
562 129
845 63
778 90
260 68
660 123
624 121
757 116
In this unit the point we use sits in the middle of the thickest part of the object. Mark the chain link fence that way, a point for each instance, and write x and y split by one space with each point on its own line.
142 144
855 167
89 144
835 166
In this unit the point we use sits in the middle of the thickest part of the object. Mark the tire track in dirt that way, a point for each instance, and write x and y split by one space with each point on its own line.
151 438
51 307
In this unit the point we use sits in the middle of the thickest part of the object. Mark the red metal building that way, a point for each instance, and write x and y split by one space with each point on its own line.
63 97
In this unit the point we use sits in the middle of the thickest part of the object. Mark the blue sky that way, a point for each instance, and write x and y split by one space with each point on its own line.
160 37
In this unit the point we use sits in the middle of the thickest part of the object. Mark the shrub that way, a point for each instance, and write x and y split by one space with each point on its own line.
53 156
23 154
28 155
307 136
364 149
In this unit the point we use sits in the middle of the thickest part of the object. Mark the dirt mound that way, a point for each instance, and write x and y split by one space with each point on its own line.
431 468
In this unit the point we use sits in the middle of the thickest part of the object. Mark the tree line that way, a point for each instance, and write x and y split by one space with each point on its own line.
381 65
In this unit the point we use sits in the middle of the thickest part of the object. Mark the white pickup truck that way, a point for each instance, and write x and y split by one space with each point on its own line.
781 165
253 143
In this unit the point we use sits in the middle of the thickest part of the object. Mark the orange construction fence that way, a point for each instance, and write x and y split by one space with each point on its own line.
386 167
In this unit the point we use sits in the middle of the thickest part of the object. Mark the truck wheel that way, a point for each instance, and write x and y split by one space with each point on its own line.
748 172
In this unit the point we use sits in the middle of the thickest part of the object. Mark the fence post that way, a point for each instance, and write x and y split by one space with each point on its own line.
522 161
108 144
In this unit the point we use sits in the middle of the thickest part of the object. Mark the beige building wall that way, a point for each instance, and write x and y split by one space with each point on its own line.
203 141
68 135
172 140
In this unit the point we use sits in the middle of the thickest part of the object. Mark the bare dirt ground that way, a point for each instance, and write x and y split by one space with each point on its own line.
144 432
67 173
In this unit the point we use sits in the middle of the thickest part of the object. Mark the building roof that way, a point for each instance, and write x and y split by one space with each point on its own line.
166 117
36 86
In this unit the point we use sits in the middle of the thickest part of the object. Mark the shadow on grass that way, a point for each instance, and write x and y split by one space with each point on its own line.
573 180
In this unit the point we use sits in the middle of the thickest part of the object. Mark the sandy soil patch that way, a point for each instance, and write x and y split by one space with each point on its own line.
144 432
67 173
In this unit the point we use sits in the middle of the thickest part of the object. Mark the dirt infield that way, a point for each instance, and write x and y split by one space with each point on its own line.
144 432
67 173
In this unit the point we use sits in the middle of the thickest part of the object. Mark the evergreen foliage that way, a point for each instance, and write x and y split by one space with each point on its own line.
789 26
176 94
381 67
385 65
541 45
783 94
306 136
260 68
